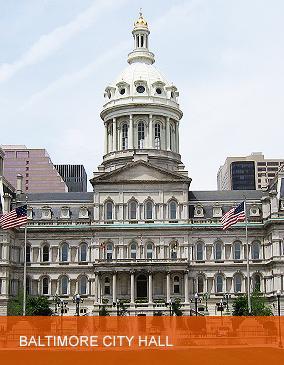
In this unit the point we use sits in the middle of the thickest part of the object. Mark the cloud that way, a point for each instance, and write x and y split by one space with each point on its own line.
49 43
176 12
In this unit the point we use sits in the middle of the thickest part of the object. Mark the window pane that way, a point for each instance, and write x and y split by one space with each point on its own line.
109 211
199 255
219 284
83 252
83 285
237 251
200 284
45 253
64 252
64 285
132 210
149 210
45 285
124 137
28 253
218 251
173 210
141 135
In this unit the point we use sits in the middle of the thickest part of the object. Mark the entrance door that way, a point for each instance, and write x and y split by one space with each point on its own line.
141 286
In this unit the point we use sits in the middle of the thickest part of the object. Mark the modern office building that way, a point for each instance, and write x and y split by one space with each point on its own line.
74 176
36 167
253 172
142 236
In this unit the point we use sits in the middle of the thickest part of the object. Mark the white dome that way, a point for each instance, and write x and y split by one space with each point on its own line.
140 71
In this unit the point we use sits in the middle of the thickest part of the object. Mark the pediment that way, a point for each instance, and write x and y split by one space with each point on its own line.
140 171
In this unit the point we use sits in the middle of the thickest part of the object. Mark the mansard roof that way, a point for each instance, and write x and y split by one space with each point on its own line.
225 195
71 197
140 171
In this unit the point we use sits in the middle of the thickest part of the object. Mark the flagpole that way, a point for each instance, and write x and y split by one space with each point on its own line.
25 268
248 268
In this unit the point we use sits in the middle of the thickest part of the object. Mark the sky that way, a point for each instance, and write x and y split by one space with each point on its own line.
225 56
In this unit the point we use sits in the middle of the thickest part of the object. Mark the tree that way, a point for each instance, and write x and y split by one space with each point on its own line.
258 305
35 306
103 311
176 307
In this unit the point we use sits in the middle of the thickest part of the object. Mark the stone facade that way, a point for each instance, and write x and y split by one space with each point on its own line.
142 236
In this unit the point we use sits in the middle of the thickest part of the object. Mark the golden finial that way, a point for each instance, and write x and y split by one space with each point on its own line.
141 20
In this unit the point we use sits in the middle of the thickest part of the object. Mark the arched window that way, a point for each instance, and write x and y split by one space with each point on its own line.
45 286
255 251
109 251
64 283
173 210
218 251
237 250
219 284
149 210
133 251
200 284
199 251
64 252
149 251
109 211
28 253
132 210
174 251
157 136
107 286
83 285
28 285
45 253
238 283
124 136
256 282
141 135
176 285
83 252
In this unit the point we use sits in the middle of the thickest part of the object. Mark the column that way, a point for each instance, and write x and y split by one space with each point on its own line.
114 287
168 147
168 287
106 144
114 142
177 136
99 289
186 287
150 137
130 133
96 288
150 287
132 296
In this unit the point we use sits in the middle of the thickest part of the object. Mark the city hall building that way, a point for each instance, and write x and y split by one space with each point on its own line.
142 236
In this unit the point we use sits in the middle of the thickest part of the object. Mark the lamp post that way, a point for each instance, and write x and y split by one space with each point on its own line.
196 301
77 300
205 297
278 293
170 304
227 296
57 302
117 305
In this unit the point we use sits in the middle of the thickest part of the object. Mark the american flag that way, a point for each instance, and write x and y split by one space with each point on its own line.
16 218
233 216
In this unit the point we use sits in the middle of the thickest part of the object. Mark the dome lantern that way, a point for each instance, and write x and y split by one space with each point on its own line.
141 51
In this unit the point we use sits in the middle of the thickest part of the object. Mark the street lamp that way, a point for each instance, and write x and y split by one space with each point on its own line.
170 304
196 301
117 305
57 302
205 297
227 296
278 293
77 300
